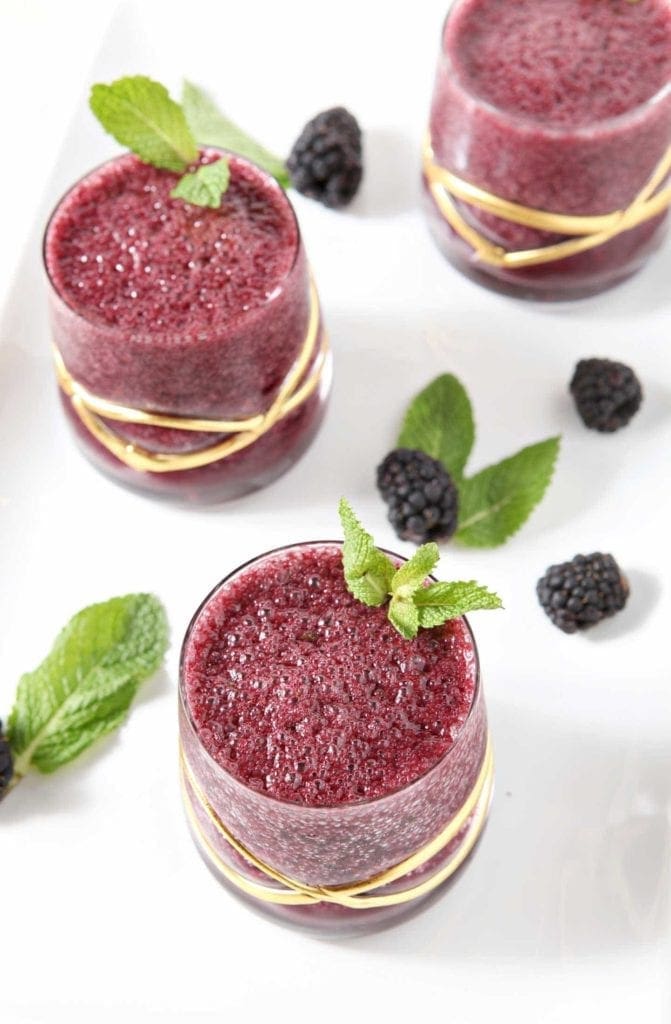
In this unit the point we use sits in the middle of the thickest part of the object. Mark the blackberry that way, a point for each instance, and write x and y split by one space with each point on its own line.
6 763
326 160
422 497
582 592
607 394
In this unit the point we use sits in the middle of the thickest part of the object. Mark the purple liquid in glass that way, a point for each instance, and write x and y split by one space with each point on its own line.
331 747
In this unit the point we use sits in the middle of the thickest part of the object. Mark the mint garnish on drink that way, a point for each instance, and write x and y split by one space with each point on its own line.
84 687
492 504
326 160
139 113
373 578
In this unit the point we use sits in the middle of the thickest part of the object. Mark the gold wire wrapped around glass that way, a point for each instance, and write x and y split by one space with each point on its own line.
586 232
91 409
358 895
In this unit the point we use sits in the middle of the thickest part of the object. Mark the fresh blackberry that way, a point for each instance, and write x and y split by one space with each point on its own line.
6 763
326 160
422 497
582 592
607 394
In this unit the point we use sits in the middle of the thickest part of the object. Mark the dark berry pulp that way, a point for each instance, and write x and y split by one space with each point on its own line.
303 693
562 62
122 252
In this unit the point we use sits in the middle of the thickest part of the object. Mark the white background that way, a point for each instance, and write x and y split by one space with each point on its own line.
107 912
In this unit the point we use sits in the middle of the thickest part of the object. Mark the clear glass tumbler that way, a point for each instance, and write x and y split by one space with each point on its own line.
333 846
583 169
230 367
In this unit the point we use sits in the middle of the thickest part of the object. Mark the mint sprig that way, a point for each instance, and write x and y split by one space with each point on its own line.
497 501
84 687
372 578
140 114
212 128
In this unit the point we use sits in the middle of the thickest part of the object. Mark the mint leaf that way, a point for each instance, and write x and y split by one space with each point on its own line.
368 571
211 128
140 114
84 687
439 421
495 502
205 186
404 616
442 601
410 576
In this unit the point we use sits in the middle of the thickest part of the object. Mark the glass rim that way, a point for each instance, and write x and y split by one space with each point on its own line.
261 795
614 122
235 321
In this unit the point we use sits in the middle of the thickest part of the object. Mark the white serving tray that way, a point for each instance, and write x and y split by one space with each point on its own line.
563 914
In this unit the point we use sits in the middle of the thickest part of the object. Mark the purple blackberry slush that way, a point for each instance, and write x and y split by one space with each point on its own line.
327 744
168 307
563 106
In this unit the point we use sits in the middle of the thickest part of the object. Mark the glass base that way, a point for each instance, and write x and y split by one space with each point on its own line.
328 918
576 277
245 471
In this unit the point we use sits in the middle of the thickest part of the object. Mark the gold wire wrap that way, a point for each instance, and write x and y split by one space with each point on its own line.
445 187
354 896
90 408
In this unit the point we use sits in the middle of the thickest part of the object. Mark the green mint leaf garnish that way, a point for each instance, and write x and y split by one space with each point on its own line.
404 616
442 601
372 578
495 502
84 687
140 114
368 571
439 421
205 186
409 577
211 128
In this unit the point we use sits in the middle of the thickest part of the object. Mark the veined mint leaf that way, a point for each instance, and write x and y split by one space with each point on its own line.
140 114
404 616
439 421
442 601
495 502
409 577
211 128
368 571
84 687
205 186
